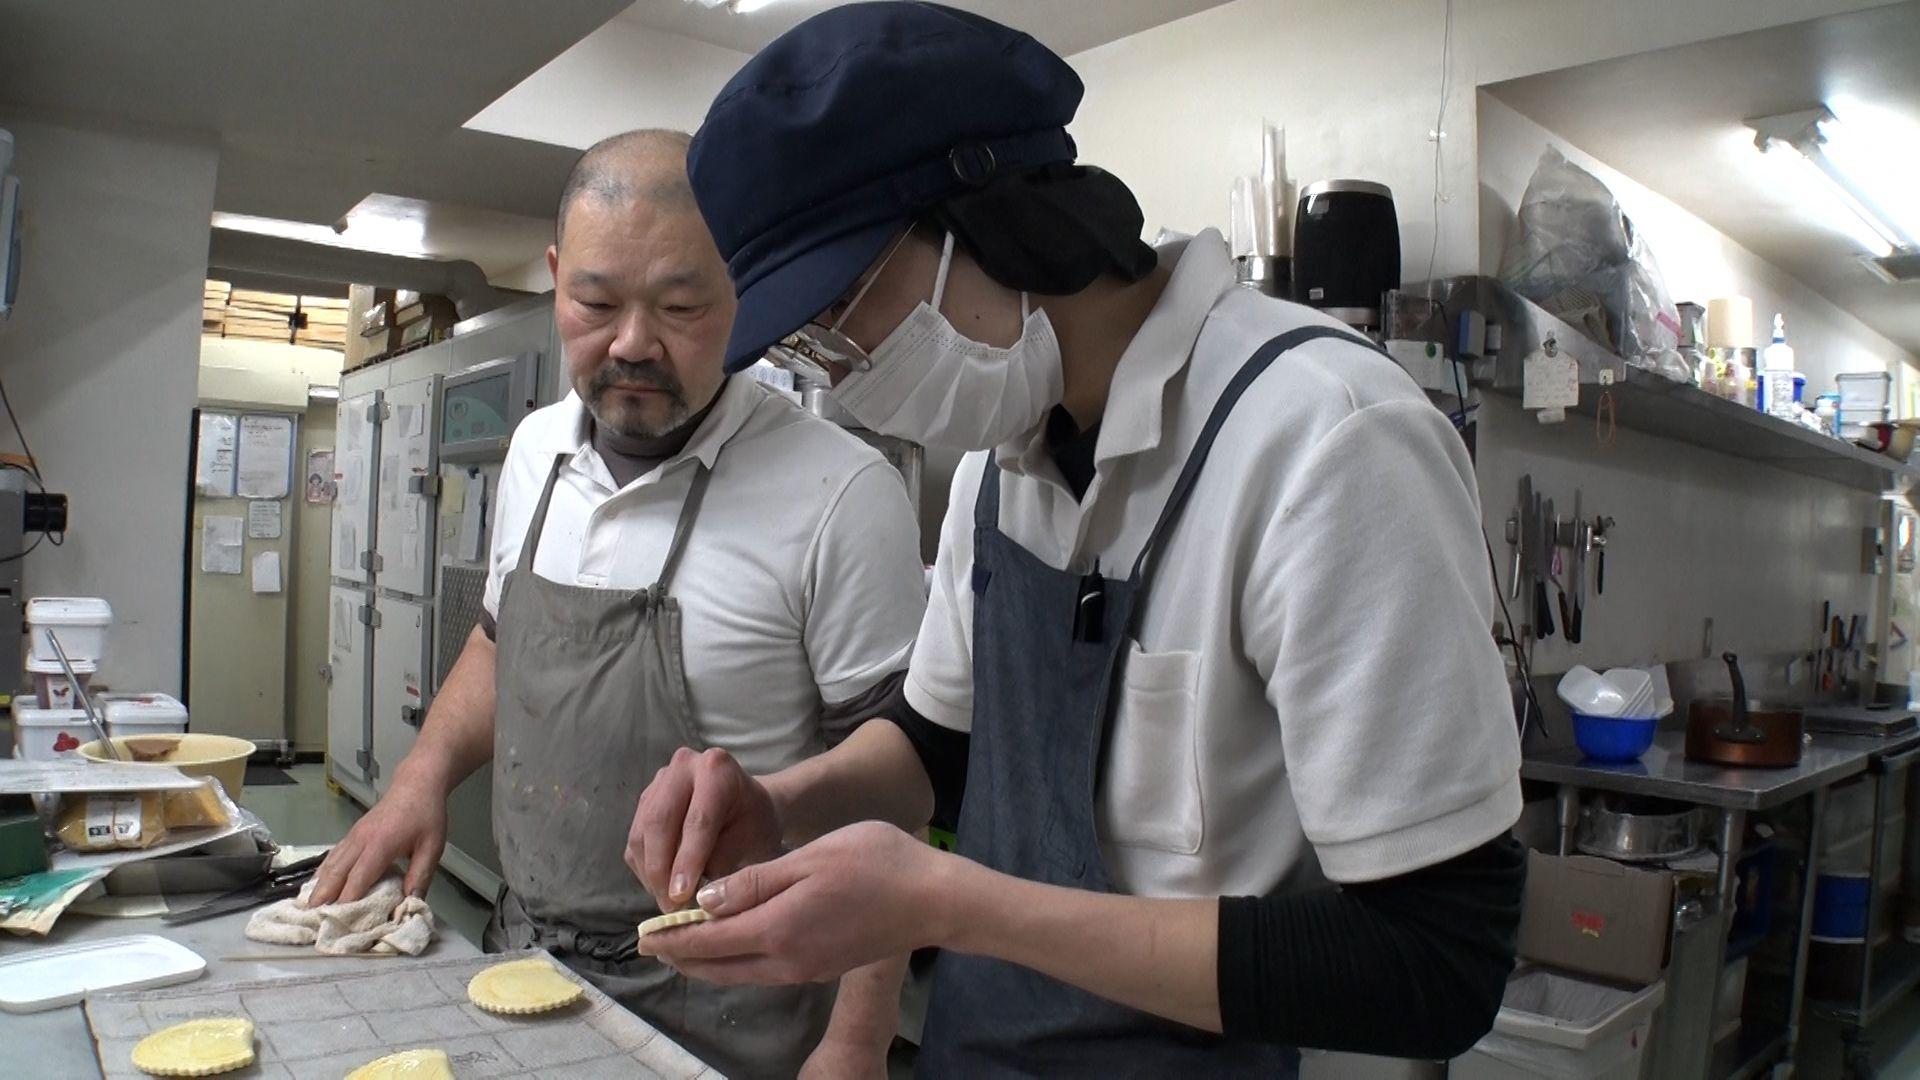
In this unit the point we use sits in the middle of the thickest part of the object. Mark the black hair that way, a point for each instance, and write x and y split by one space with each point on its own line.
1052 230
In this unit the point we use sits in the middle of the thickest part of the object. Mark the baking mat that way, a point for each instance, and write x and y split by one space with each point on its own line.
324 1026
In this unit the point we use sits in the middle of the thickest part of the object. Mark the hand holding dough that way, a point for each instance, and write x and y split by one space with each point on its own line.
196 1048
674 918
406 1065
523 987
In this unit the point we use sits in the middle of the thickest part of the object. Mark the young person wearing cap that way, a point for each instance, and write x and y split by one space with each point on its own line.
1208 648
682 563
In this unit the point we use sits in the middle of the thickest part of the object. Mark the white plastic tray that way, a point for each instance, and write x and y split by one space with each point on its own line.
51 977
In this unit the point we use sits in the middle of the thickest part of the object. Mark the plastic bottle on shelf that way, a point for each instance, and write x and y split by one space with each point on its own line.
1776 362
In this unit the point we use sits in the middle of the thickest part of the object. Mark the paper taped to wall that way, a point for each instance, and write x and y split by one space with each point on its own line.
213 461
265 460
266 572
263 520
220 544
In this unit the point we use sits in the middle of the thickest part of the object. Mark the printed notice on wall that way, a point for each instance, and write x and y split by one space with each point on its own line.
266 572
220 544
213 463
263 520
265 458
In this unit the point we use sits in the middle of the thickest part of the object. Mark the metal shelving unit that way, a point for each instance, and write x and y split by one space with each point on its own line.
1646 402
1643 400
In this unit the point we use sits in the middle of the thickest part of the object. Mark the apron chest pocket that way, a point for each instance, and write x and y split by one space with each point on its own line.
1153 776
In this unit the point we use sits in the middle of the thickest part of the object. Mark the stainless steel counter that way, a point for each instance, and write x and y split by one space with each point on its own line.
1665 772
56 1042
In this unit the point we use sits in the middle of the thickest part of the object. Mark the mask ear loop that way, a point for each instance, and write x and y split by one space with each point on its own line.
946 264
871 278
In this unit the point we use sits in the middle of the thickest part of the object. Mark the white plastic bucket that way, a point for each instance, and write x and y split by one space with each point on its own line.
50 683
142 714
48 734
80 621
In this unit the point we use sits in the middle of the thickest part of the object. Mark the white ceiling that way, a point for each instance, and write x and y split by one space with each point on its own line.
1673 120
1065 26
319 106
316 106
660 63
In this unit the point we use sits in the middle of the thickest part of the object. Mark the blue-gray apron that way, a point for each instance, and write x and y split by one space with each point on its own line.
1047 651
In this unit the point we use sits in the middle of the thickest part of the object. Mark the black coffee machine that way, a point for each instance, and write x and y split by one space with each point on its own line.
1346 249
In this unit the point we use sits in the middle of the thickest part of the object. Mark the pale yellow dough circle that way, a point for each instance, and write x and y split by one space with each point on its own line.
196 1048
406 1065
520 987
674 918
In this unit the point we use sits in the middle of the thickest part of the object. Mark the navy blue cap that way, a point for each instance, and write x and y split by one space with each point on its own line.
850 125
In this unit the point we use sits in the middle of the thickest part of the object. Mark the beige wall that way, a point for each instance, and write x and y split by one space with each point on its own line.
307 690
257 658
99 358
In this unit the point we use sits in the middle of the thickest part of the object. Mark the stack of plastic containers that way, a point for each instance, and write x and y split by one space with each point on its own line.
51 724
1866 397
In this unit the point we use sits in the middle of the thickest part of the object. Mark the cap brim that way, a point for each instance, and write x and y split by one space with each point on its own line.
782 300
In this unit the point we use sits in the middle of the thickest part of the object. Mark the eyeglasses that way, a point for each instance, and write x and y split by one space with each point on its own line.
814 349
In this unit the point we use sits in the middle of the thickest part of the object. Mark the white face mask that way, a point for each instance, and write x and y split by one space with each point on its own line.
933 385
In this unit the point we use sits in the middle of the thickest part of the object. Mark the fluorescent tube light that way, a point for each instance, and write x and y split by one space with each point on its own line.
1880 214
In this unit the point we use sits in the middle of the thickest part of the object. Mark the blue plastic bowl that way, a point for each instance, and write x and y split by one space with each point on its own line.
1607 738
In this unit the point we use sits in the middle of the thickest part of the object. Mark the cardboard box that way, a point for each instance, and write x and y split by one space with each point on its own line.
1597 917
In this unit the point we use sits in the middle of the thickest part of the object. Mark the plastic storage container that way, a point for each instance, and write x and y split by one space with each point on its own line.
48 734
1864 391
142 714
50 683
1562 1027
81 622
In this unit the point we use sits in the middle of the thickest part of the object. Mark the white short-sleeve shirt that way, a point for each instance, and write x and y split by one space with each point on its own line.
1315 691
801 584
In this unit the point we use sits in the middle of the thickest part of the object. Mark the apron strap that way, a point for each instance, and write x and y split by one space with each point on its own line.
539 522
986 504
1262 358
681 529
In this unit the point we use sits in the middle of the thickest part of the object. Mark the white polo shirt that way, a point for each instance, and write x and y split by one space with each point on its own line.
1315 690
801 583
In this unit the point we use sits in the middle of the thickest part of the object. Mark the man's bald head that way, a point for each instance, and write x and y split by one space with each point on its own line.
650 165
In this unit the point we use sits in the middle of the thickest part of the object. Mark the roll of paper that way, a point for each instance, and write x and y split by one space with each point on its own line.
1730 323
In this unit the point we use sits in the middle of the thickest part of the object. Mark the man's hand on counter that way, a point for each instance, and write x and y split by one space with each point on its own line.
409 822
701 816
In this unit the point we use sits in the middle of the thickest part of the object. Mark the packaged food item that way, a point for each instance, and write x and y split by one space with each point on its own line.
203 807
117 822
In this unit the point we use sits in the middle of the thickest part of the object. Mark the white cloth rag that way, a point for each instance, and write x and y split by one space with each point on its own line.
386 920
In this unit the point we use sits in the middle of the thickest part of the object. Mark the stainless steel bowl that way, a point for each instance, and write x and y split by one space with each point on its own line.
1638 835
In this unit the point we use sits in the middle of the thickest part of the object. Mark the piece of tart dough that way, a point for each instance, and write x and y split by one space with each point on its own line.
675 918
406 1065
521 987
196 1048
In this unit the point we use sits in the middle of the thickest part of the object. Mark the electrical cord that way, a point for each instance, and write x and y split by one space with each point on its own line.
32 470
1512 639
1446 83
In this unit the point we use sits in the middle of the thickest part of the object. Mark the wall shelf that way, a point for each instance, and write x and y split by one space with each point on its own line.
1655 405
1643 400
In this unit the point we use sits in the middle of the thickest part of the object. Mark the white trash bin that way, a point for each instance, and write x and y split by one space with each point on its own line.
1557 1026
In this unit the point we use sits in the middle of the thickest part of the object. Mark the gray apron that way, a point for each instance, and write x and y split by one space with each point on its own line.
1048 646
590 701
